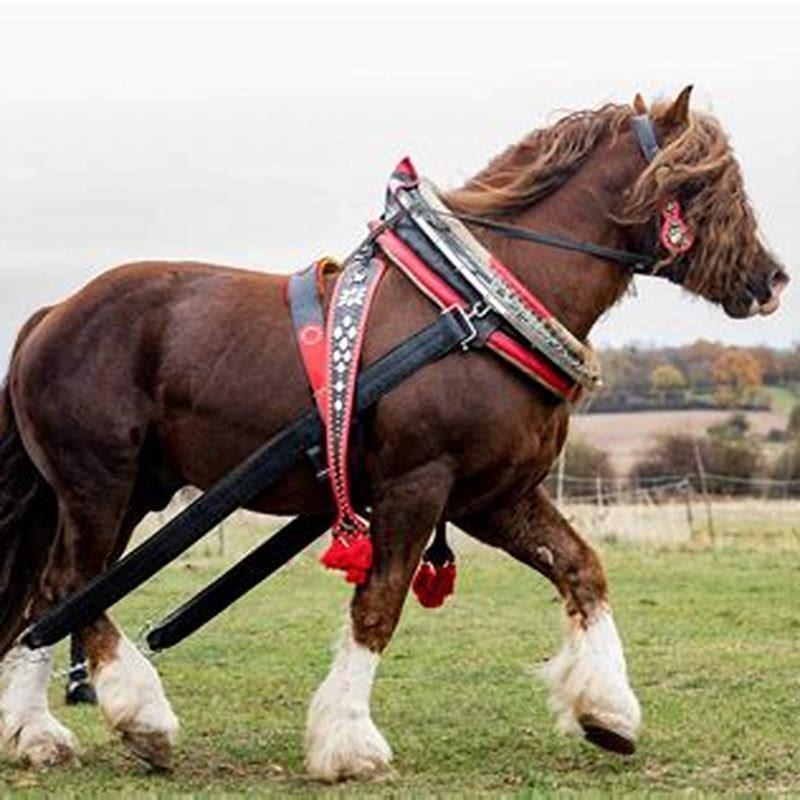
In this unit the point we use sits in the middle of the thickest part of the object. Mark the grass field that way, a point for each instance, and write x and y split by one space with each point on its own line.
713 642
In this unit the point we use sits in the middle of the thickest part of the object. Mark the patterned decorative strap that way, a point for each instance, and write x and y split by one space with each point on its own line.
347 321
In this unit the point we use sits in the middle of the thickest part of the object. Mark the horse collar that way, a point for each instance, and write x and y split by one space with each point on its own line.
445 261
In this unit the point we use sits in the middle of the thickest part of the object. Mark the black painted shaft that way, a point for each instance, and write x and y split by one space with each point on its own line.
255 567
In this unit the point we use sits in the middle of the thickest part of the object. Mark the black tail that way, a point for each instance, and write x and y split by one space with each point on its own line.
28 520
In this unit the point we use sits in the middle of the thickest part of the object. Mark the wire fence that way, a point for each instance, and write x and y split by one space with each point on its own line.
677 508
663 509
588 489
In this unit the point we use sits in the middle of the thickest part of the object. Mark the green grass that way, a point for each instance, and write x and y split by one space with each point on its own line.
783 398
713 642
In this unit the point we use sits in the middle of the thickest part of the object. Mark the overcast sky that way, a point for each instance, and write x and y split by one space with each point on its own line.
262 135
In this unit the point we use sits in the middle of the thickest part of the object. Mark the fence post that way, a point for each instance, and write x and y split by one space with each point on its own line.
701 473
687 493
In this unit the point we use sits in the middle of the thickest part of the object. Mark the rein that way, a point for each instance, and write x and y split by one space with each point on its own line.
640 263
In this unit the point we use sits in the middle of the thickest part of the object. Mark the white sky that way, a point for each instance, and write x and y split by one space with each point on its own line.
261 134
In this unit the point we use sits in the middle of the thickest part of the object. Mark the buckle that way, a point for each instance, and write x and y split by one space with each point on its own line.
479 310
466 317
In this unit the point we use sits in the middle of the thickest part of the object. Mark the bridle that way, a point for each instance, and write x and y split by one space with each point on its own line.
675 236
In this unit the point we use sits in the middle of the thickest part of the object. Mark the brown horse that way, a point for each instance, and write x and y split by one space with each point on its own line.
159 375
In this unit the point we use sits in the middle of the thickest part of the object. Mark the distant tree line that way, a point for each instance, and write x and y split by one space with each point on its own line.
700 375
727 460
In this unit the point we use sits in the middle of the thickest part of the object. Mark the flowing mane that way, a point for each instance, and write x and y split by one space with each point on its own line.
538 165
696 165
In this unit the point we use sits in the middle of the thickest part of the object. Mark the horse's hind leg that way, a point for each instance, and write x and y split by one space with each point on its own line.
129 691
29 731
341 738
588 678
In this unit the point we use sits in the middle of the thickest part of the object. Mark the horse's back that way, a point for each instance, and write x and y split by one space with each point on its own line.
161 346
202 360
139 309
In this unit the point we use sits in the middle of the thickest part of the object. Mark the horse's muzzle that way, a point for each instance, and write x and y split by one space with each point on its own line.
760 296
778 281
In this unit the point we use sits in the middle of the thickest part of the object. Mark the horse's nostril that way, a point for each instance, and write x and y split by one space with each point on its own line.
778 279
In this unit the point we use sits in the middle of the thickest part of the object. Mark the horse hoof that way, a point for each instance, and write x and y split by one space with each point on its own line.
607 739
367 770
351 749
46 743
133 702
45 754
80 692
152 748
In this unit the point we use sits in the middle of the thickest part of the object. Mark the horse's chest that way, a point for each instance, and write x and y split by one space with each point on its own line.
473 410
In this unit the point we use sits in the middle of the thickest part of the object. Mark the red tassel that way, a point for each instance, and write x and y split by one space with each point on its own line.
351 552
423 581
433 584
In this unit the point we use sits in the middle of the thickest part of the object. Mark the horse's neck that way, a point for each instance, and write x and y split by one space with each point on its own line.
577 288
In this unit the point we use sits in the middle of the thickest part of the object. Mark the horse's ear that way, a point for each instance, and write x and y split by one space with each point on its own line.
678 113
639 106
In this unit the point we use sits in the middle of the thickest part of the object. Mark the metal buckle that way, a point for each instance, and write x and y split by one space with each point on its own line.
478 311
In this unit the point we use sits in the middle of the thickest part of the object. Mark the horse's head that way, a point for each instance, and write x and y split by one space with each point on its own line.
727 263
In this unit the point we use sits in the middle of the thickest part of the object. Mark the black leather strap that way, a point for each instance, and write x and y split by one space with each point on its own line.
255 567
639 262
304 304
646 136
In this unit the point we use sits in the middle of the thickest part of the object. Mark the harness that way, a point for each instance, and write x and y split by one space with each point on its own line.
432 247
483 309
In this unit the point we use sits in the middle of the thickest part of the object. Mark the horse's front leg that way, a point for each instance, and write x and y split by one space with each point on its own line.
588 679
341 739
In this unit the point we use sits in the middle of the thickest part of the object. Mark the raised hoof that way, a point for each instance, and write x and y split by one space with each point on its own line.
607 739
152 749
